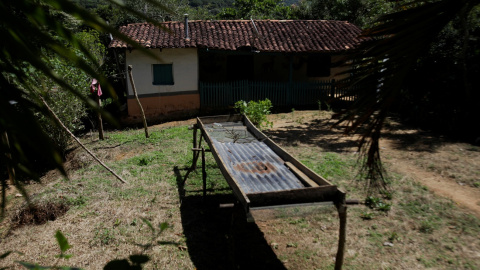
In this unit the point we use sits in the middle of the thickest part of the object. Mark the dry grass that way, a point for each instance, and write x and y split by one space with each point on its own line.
104 221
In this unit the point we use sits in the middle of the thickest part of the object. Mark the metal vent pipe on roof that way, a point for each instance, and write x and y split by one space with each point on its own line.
186 26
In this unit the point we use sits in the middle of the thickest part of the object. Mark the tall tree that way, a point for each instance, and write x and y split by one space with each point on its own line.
383 64
359 12
256 9
158 10
170 10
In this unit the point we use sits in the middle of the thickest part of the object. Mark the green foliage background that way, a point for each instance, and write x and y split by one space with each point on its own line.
70 108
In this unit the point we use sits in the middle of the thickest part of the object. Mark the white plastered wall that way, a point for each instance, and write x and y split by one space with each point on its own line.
185 71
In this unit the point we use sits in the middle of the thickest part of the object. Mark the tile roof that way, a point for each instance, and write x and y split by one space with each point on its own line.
262 35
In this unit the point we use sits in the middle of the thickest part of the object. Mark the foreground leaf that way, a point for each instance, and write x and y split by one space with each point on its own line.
62 241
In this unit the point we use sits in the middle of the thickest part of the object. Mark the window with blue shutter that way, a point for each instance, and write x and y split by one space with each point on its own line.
162 74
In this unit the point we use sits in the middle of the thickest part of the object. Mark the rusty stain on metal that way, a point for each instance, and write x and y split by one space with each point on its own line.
255 167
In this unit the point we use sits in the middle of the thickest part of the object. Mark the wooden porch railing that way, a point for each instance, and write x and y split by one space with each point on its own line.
225 94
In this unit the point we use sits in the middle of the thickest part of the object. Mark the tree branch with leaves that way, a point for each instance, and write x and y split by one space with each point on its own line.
381 68
32 33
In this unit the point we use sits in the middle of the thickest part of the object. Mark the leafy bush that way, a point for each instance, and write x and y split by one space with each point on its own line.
67 106
256 111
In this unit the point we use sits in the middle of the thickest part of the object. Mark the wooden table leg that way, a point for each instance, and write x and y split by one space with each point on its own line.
204 174
342 214
195 152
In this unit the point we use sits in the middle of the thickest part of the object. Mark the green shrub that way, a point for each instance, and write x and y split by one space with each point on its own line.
256 111
69 108
377 204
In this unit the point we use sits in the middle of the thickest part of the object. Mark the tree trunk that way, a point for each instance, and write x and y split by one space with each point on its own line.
10 170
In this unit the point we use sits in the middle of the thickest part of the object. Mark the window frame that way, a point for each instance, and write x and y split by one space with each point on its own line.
160 80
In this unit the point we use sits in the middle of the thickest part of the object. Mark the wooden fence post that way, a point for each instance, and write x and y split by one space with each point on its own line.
99 116
290 81
332 88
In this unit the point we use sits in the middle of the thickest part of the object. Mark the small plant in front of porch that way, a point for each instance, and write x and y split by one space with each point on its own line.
256 111
377 204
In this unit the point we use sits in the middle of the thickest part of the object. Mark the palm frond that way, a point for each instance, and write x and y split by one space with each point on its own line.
381 68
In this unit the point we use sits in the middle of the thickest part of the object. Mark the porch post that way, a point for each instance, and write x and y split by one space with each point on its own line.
332 89
290 80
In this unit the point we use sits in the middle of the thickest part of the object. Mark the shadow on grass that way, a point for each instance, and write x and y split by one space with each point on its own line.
319 132
220 238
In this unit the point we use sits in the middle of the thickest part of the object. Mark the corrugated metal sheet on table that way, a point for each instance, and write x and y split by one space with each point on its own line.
253 164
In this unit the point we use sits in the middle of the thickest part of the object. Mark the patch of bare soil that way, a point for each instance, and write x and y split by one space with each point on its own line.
37 214
175 124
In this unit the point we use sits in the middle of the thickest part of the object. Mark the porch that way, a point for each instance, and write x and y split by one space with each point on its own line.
216 95
286 79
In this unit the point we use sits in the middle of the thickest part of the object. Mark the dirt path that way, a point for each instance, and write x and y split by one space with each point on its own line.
461 193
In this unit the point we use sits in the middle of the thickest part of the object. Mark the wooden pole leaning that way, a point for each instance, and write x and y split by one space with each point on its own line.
138 101
78 141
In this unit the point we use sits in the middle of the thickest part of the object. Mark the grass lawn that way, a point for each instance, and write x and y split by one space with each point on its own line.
104 219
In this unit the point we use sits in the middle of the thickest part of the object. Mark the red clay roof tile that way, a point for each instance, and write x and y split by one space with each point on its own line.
272 35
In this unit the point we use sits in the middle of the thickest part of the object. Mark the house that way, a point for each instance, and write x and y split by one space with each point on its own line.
206 64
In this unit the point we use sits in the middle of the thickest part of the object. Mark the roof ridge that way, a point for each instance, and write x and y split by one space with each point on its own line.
240 20
276 35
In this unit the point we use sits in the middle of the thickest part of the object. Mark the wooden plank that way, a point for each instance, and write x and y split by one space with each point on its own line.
324 203
219 118
239 194
303 177
294 196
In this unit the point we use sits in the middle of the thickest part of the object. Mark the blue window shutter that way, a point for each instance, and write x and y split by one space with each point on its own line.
162 74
